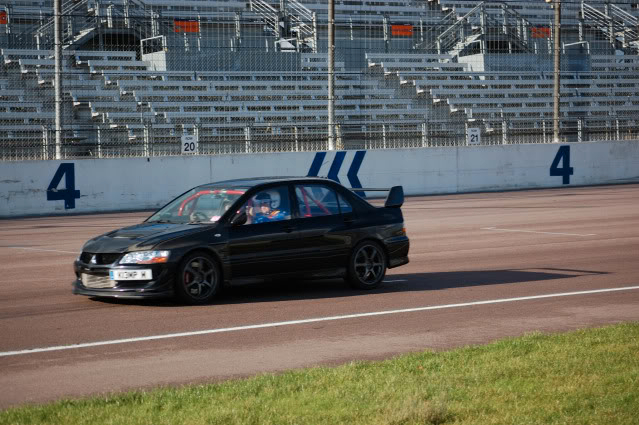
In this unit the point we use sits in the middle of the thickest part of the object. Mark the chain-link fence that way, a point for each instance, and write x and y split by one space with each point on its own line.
140 78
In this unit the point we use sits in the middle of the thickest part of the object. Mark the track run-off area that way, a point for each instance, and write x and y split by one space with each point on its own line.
483 266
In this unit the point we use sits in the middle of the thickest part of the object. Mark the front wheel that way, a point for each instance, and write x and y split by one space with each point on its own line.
198 278
367 265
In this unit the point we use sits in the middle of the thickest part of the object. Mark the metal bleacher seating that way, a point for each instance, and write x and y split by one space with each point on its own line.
218 102
24 116
519 100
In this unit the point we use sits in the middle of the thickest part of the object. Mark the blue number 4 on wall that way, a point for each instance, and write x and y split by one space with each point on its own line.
563 155
68 194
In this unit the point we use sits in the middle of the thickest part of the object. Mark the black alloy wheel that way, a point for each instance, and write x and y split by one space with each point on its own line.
198 278
367 266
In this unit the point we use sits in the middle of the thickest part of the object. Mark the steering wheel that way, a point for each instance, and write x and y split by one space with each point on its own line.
199 216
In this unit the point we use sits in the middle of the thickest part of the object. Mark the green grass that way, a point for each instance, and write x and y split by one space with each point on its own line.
584 377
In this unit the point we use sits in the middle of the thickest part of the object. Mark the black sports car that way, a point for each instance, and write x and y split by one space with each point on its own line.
237 229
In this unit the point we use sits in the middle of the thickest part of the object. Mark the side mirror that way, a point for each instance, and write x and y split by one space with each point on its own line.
395 197
239 219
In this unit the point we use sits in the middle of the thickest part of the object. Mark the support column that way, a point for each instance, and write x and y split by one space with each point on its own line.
238 29
57 31
557 71
482 24
314 32
331 75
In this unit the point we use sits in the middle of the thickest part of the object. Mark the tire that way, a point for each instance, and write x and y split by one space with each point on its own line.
198 279
367 265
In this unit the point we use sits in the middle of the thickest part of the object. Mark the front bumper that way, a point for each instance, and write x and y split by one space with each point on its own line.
98 284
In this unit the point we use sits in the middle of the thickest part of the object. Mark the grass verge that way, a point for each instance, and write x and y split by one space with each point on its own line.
584 377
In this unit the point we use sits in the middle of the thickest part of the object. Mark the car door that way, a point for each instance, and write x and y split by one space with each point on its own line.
324 231
265 244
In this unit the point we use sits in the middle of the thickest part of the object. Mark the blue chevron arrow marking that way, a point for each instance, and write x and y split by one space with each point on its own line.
336 165
352 172
316 165
333 172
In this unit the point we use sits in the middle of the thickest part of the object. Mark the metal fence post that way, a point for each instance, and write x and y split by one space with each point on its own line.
384 135
247 139
617 128
331 75
504 131
57 10
146 139
557 70
99 140
579 130
424 134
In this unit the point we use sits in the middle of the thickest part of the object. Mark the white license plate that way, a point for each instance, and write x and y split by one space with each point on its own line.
142 274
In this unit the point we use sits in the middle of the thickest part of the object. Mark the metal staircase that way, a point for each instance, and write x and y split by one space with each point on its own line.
269 15
473 27
461 30
516 27
619 27
448 20
292 23
82 18
303 23
70 10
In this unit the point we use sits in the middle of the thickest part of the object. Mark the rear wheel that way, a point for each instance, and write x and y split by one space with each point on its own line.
367 266
198 278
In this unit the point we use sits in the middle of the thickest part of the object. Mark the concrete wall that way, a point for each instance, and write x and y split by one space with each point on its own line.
82 186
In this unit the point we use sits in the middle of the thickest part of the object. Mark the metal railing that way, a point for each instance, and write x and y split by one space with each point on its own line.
148 141
268 13
302 18
457 33
618 25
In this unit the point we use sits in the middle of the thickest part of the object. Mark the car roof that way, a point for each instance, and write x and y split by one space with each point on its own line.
255 181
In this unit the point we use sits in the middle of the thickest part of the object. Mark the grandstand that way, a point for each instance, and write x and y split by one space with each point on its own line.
252 76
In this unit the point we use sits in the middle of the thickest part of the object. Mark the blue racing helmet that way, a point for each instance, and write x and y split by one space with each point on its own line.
271 198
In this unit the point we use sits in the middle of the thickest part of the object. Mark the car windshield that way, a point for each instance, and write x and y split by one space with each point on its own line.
198 205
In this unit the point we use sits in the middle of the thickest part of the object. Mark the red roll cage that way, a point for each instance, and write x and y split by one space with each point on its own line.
207 192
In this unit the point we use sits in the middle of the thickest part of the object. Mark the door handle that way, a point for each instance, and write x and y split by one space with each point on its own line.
288 229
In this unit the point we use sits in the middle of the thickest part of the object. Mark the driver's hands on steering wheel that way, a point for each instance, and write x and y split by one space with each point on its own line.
198 216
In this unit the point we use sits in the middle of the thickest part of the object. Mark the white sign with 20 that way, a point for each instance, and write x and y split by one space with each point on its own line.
189 145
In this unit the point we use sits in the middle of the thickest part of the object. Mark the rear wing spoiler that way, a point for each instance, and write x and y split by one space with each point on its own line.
394 199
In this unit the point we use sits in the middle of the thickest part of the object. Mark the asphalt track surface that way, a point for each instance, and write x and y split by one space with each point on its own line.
483 267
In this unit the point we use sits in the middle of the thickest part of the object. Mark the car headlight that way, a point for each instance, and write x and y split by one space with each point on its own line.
145 257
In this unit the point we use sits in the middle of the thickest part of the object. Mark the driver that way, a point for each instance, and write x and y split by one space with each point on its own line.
267 204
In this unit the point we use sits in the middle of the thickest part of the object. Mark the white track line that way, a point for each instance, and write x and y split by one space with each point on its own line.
305 321
532 231
41 249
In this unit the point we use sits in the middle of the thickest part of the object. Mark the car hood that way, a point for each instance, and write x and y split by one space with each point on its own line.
140 236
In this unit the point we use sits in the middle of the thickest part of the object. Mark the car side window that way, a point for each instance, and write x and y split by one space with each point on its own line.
268 205
344 205
315 200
